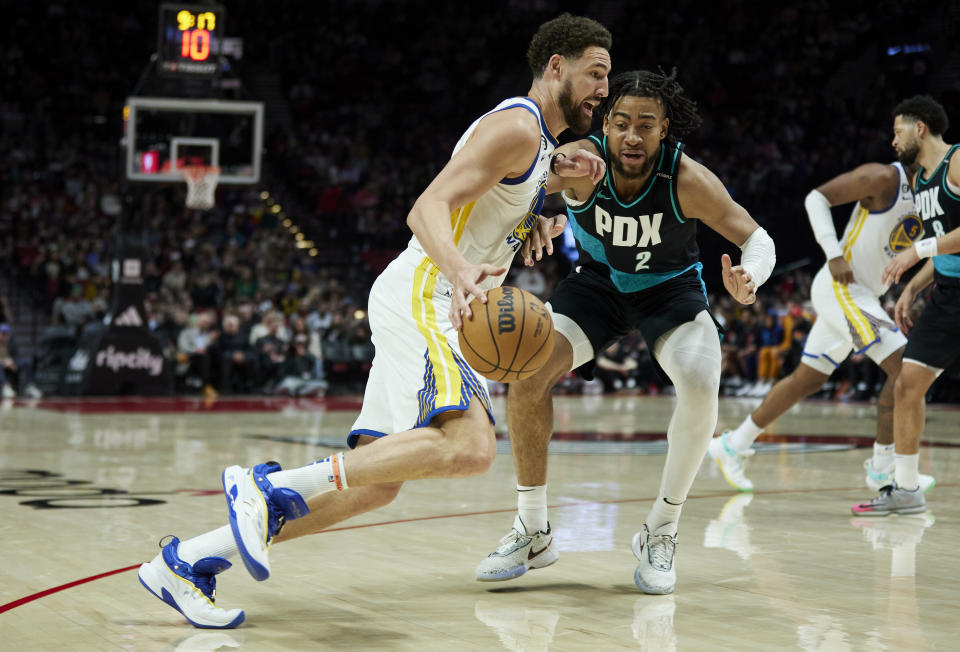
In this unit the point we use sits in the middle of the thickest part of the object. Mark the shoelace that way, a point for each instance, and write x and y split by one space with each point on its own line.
661 548
509 539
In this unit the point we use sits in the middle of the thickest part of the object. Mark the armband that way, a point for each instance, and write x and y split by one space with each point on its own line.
758 256
926 248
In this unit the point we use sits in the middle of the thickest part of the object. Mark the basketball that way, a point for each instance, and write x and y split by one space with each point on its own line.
508 338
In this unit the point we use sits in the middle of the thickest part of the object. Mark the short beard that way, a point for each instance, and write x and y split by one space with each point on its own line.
575 119
909 155
644 171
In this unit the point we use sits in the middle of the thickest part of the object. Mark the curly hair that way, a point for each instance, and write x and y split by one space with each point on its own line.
567 36
926 109
681 110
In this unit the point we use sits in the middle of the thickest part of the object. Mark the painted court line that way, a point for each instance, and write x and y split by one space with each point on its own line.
36 596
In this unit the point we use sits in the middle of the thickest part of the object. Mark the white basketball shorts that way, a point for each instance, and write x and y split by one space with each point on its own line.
849 318
418 370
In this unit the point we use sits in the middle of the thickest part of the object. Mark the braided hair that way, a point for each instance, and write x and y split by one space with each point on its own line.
681 110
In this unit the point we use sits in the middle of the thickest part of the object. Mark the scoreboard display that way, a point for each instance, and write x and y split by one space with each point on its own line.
189 39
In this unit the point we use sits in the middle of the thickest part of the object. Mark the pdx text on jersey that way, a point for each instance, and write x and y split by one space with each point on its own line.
624 229
928 205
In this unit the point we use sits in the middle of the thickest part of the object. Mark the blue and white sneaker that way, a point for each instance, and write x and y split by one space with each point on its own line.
189 588
257 511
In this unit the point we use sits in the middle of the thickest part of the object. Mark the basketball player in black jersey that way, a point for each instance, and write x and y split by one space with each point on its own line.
639 268
918 127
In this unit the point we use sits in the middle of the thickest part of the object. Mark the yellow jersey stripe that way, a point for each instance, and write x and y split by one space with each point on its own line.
854 315
445 370
462 216
855 233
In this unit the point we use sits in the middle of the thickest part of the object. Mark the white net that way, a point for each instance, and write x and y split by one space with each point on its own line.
201 185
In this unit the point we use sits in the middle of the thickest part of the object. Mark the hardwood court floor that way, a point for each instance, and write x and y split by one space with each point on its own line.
87 488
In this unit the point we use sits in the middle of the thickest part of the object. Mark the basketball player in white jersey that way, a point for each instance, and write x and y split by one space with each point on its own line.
425 413
845 295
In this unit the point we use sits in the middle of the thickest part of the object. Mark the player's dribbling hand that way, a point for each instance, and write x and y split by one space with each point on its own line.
901 263
737 281
901 311
840 270
541 236
465 285
581 164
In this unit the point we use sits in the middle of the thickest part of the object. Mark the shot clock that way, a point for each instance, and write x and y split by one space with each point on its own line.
189 39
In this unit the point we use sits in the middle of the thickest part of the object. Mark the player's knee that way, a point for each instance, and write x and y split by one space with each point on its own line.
471 447
905 388
696 373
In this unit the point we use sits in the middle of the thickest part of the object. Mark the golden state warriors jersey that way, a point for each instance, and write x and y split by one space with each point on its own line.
872 239
492 228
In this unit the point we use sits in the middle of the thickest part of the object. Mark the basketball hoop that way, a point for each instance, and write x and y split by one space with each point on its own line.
201 185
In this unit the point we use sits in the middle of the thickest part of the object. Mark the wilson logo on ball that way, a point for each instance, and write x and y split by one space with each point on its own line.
508 338
505 320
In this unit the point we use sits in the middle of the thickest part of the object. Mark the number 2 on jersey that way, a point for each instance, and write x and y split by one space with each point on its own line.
643 257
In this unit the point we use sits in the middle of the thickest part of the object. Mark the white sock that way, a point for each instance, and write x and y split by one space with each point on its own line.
882 456
907 471
216 543
743 437
314 479
532 507
665 512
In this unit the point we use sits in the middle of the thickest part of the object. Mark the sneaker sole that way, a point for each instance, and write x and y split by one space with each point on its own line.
514 572
906 511
257 570
730 482
164 596
649 589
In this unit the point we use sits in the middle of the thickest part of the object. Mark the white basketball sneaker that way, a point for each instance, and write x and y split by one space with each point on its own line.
189 588
876 480
257 510
656 573
518 551
730 462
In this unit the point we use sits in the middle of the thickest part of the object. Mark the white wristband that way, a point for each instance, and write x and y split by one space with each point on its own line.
926 248
758 256
821 221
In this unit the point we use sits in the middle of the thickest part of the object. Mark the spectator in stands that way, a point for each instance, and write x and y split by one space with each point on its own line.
270 346
768 357
73 310
14 368
239 371
616 367
298 373
298 326
195 343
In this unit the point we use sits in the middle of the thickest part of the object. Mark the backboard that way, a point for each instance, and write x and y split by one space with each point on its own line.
162 135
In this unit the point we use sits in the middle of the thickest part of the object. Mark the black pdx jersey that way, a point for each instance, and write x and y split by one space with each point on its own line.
642 242
939 208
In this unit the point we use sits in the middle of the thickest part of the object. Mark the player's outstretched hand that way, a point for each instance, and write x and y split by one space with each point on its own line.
901 311
465 285
581 164
840 270
737 281
901 263
541 237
